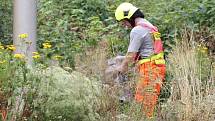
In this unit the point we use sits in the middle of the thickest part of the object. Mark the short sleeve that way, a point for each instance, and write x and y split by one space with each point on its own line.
136 40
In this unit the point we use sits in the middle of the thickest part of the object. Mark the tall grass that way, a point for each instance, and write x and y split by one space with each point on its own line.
93 61
192 83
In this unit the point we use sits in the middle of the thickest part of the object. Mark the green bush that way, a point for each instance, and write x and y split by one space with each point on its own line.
68 24
67 96
6 21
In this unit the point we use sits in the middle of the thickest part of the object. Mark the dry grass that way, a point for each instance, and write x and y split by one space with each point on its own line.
192 84
93 63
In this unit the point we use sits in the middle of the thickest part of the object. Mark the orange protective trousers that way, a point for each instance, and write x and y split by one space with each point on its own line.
151 77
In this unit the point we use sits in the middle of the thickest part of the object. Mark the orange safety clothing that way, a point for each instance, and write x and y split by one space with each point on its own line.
151 74
151 77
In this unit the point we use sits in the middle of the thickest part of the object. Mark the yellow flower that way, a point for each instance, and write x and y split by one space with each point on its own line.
205 48
2 62
19 56
47 45
11 47
23 36
203 51
36 56
35 53
58 57
1 47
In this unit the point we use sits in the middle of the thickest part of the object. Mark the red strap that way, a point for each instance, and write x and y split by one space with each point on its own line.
152 28
157 45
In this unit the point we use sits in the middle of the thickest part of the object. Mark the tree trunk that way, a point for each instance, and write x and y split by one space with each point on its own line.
24 21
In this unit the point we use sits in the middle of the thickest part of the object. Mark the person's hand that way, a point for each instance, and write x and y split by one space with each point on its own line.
121 68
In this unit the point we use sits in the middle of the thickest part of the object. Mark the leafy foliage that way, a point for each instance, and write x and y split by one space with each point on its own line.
6 21
74 26
67 23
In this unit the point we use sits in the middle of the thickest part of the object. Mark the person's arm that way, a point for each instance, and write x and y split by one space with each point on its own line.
134 45
129 59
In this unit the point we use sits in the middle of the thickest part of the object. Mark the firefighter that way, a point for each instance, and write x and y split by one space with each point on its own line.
146 51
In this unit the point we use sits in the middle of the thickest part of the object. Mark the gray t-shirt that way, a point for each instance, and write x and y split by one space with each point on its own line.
141 41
